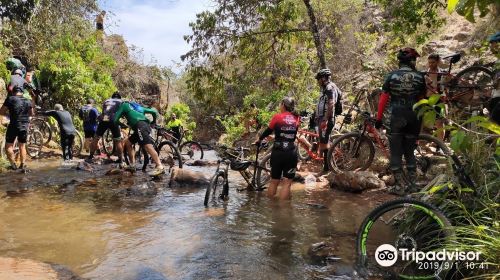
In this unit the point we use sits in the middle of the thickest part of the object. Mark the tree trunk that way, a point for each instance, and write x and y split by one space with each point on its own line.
315 32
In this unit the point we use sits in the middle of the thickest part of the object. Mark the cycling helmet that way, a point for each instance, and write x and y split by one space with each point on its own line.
495 38
116 95
325 72
240 165
407 54
18 72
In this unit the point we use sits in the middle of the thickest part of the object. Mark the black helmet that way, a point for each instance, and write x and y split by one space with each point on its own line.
495 38
289 103
325 72
407 54
116 95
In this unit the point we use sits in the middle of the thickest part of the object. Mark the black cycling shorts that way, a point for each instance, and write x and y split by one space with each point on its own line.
324 134
20 132
89 133
142 134
283 164
105 125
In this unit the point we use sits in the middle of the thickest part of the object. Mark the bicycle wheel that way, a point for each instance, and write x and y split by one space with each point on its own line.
218 188
108 143
350 152
471 87
43 126
430 152
169 154
263 174
191 150
34 144
398 225
78 144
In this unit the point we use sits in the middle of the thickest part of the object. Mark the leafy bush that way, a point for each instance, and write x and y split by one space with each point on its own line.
76 69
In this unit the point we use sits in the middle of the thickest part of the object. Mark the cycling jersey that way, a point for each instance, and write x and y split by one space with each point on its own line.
109 108
19 110
329 92
64 121
405 86
89 115
132 116
285 126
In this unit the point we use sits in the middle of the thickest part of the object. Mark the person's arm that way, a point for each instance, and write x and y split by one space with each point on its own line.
119 113
80 113
50 113
152 112
3 110
384 98
331 101
269 130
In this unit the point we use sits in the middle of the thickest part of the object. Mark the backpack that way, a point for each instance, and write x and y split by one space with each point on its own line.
137 107
85 112
338 104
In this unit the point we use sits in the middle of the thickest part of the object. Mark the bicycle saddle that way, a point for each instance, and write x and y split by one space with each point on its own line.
240 165
454 58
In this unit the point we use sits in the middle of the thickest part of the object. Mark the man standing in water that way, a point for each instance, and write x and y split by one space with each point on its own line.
284 156
325 112
20 109
66 128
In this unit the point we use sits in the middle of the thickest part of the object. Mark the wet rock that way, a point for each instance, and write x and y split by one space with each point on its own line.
145 189
316 205
200 162
388 179
84 167
299 178
184 177
355 181
310 180
14 269
322 252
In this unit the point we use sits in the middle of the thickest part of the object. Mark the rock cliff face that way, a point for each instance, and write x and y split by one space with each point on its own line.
146 84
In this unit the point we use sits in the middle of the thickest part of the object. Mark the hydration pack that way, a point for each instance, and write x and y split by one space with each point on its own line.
137 107
338 104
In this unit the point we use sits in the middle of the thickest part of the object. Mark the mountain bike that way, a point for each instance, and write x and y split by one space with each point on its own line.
407 224
469 89
256 176
167 151
188 149
34 144
356 150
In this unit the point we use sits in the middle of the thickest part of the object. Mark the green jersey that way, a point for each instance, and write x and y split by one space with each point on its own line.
174 123
132 116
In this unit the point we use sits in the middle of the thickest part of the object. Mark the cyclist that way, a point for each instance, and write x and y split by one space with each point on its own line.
109 108
20 109
175 125
404 87
67 129
142 130
89 114
432 78
494 106
325 111
284 156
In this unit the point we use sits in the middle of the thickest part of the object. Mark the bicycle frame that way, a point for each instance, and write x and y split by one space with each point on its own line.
302 142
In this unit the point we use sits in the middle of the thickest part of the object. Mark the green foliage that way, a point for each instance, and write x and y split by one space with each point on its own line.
183 113
4 54
17 10
412 17
466 8
75 69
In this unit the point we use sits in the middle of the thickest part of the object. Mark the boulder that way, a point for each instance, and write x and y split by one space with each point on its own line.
322 252
15 269
185 177
355 181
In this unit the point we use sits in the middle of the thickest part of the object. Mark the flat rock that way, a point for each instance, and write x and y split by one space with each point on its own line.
185 177
24 269
200 162
355 181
